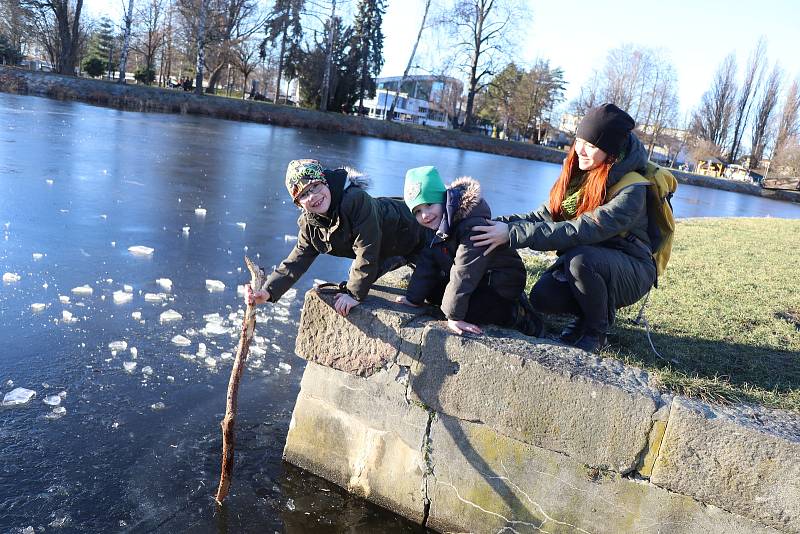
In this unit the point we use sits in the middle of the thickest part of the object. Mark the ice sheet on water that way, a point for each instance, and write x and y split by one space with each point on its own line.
129 366
240 290
201 349
11 277
84 290
18 396
121 297
155 297
181 341
141 250
215 285
186 229
134 352
37 307
166 283
52 400
170 315
118 345
226 355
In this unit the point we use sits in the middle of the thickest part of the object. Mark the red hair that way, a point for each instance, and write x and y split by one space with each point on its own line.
593 192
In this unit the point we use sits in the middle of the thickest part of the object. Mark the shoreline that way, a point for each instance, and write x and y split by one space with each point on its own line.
153 99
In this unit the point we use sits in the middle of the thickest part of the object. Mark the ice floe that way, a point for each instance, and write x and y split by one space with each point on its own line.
121 297
200 212
166 283
181 341
241 225
57 413
289 238
37 256
285 367
18 396
215 329
155 297
118 345
67 317
38 306
52 400
170 315
129 366
215 285
147 370
157 406
137 315
141 250
11 277
127 288
83 290
63 299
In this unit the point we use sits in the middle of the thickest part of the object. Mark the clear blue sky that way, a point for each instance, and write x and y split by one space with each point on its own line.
576 35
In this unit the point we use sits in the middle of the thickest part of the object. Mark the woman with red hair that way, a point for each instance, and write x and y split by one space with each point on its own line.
604 257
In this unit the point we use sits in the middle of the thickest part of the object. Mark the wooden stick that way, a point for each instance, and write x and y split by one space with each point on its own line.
257 280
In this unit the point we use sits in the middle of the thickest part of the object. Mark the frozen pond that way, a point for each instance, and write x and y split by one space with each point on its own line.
128 227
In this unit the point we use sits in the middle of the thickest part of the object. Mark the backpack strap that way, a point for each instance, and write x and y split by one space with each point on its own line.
627 180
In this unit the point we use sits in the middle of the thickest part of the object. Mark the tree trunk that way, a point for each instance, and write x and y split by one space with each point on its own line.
390 113
126 43
213 79
326 77
280 65
473 73
201 49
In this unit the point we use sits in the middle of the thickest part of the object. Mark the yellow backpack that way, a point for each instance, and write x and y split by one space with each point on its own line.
661 222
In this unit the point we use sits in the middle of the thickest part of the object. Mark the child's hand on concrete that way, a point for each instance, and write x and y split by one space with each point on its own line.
459 327
404 300
344 303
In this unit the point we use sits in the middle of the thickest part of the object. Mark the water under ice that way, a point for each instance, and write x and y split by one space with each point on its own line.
18 396
170 315
141 250
215 285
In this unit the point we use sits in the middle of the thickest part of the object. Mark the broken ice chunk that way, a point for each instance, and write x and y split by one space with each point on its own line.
187 356
166 283
127 288
137 315
83 290
147 370
285 367
67 317
118 345
215 285
129 366
140 250
18 396
201 349
11 277
211 362
241 225
200 212
134 352
158 406
63 299
215 329
181 341
213 317
57 413
257 351
121 297
226 355
49 181
154 297
37 307
170 315
37 256
186 230
52 400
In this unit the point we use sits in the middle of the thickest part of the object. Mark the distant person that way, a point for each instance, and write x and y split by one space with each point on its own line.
471 287
340 218
605 259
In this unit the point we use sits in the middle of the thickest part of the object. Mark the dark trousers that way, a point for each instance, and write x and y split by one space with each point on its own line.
486 306
592 282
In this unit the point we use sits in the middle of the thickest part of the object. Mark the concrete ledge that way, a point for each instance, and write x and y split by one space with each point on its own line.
562 399
502 432
742 459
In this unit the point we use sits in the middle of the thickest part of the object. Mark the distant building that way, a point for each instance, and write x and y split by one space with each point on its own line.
425 100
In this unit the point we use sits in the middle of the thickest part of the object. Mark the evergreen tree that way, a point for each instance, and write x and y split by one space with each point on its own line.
284 30
366 47
101 46
9 54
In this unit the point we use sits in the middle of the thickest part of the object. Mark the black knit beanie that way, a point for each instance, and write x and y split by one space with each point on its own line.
606 127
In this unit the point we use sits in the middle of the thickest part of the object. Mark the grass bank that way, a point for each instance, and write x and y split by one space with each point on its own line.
725 317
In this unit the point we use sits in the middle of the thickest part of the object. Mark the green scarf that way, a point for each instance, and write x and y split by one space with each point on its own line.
569 206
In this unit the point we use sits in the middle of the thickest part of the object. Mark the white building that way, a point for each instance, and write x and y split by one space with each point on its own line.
425 100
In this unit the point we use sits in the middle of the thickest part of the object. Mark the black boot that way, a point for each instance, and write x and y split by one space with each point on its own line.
573 331
526 319
591 341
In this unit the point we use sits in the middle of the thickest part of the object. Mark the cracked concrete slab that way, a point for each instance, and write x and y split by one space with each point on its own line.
598 412
745 459
483 481
368 339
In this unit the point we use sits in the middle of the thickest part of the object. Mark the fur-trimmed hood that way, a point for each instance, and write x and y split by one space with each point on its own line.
357 178
463 200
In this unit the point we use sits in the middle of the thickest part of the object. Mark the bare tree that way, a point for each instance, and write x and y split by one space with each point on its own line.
789 122
57 24
390 113
14 23
484 31
126 42
764 114
754 73
150 31
246 58
712 119
233 22
662 104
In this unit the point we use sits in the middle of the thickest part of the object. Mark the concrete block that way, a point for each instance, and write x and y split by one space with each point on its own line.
742 459
372 336
483 481
598 412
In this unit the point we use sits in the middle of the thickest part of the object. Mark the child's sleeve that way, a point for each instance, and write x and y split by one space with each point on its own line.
424 278
468 269
366 227
292 268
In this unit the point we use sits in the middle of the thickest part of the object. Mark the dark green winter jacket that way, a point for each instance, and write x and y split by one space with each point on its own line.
625 213
453 256
357 226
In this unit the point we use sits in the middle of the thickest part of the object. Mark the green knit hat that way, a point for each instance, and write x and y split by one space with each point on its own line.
301 173
423 186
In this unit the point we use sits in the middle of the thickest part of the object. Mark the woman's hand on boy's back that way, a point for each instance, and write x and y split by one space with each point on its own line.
253 298
343 303
492 236
459 327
